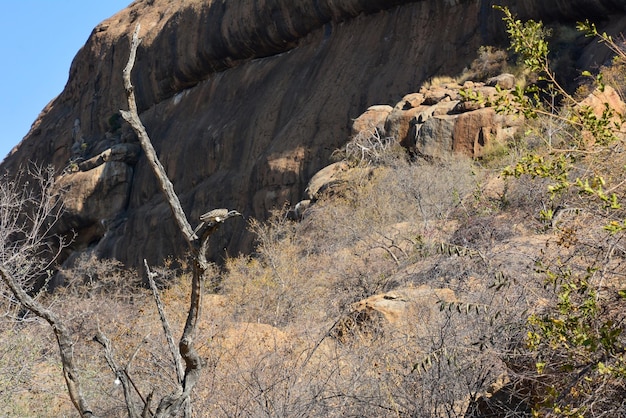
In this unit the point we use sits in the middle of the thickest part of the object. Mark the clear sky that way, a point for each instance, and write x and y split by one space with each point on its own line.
38 40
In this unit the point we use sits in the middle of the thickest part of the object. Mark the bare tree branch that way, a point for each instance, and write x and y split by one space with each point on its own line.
120 374
169 405
64 341
132 117
172 404
167 330
30 206
146 410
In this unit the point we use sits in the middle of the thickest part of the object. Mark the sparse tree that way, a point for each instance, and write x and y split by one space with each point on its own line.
26 221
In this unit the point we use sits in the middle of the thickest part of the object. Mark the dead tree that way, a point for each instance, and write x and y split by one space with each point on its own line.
198 246
176 403
29 207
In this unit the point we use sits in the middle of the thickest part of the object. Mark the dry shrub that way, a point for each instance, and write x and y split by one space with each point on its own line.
545 132
439 81
267 335
615 76
29 207
24 372
281 281
395 372
491 61
304 277
100 296
361 234
397 192
370 147
89 275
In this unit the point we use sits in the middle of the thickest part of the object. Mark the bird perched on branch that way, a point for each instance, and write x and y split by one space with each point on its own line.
215 217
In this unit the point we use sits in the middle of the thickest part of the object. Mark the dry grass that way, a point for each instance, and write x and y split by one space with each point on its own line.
490 62
268 335
293 330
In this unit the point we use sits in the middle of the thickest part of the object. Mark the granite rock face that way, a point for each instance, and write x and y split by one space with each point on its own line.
244 102
439 120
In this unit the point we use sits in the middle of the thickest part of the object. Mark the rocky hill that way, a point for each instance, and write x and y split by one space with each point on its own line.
245 102
454 260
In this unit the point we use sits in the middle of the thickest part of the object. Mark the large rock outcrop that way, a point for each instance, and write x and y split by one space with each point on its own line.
439 120
244 101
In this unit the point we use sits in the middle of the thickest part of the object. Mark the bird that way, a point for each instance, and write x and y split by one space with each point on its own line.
214 217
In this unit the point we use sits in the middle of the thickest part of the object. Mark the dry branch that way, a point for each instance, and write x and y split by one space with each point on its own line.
132 117
172 404
167 330
64 341
120 374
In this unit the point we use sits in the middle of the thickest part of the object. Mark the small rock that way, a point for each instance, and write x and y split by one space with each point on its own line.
410 101
504 81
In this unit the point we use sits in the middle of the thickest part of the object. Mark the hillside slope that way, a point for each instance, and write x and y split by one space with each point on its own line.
413 281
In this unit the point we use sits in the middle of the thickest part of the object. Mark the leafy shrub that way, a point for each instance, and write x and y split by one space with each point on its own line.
575 342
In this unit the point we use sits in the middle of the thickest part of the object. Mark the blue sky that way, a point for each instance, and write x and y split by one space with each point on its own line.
38 40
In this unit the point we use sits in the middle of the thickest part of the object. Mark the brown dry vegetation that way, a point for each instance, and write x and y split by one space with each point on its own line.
282 334
296 328
407 290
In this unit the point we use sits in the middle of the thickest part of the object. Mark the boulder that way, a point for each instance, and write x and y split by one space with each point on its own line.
437 94
411 310
410 101
433 138
93 198
504 81
399 122
406 305
438 120
372 121
325 178
472 131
